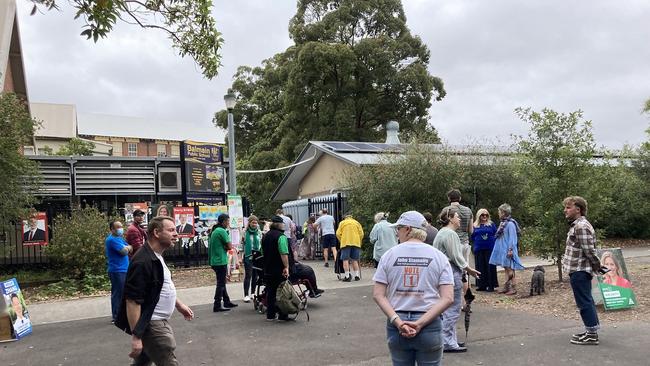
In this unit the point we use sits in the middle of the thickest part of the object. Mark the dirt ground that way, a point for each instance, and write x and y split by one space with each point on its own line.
558 299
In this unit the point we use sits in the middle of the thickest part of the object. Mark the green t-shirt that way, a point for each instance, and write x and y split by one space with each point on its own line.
216 248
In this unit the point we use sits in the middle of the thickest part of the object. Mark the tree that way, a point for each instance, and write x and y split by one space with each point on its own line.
19 178
646 106
556 160
77 147
188 23
421 177
353 67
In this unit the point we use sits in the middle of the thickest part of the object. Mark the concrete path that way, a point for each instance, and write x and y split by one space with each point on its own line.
93 307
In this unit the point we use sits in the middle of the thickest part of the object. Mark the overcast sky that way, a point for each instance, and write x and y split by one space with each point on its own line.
493 56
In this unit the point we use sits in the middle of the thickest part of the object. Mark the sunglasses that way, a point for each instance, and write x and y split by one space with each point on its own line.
485 215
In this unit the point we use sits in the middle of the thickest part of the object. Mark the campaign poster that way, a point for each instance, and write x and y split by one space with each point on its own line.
184 218
162 210
35 229
236 212
15 308
129 208
203 170
211 213
613 289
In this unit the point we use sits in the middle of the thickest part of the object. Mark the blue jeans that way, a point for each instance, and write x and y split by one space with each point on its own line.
117 288
581 285
452 314
425 348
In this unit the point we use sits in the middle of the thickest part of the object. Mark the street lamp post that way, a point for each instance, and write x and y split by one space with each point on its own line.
232 178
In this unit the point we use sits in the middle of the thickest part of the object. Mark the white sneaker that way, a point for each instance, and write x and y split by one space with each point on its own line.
247 299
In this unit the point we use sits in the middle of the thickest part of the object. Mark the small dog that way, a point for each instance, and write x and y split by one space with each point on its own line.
537 281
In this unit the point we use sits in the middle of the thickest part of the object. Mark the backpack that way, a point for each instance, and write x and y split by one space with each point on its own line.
287 300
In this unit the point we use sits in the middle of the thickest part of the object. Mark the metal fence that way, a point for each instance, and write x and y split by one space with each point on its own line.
301 210
12 250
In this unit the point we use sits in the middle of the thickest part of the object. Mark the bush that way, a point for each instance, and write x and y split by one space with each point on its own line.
77 246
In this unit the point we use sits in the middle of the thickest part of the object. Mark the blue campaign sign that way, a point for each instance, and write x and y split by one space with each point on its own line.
15 308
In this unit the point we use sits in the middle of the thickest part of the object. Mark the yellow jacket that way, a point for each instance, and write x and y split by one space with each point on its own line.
350 233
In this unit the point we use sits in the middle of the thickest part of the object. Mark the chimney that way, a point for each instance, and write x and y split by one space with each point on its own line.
392 132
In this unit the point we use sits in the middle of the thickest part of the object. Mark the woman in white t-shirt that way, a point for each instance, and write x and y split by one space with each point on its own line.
413 286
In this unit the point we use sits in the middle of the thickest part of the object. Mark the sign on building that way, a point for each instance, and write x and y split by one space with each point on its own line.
203 171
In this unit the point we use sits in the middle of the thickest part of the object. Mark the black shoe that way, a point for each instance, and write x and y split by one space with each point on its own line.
326 264
230 305
586 339
481 289
319 291
489 289
456 350
461 344
347 279
357 278
219 309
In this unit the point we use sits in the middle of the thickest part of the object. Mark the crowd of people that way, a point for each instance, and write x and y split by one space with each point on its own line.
422 271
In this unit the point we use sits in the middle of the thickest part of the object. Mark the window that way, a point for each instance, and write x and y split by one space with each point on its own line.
161 149
117 148
176 150
133 149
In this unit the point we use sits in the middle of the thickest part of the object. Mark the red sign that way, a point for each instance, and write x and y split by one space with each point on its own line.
35 230
184 218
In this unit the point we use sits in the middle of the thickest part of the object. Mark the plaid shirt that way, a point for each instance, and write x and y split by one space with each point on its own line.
580 252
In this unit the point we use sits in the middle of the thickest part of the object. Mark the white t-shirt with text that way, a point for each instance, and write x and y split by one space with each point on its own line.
413 273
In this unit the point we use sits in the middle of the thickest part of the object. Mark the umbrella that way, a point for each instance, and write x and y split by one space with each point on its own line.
469 297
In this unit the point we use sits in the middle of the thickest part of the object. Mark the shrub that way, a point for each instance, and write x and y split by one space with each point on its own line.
77 246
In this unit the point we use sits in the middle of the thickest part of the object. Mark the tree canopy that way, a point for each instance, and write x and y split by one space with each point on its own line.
77 147
19 176
353 67
188 23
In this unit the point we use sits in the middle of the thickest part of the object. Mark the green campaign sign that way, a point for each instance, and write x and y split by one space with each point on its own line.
613 289
616 297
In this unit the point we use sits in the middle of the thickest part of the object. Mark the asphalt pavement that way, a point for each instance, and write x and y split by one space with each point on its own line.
345 328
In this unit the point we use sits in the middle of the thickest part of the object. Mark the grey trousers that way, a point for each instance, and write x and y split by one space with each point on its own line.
451 315
158 345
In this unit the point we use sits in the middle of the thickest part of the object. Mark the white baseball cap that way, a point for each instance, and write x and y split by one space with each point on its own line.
412 219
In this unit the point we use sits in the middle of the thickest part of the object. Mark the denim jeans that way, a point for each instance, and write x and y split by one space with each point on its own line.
117 288
425 348
451 315
581 285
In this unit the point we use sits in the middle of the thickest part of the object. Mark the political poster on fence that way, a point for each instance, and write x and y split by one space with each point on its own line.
613 289
14 306
211 213
184 218
129 208
236 212
35 230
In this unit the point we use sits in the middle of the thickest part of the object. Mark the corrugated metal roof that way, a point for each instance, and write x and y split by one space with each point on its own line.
92 124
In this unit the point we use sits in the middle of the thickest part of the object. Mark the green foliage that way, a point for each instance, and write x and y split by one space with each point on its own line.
77 245
188 23
353 67
646 106
556 160
71 287
420 179
77 147
20 175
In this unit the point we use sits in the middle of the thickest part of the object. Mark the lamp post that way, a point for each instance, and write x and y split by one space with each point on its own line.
232 179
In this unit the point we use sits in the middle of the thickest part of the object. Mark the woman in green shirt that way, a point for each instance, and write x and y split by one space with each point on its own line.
218 248
252 239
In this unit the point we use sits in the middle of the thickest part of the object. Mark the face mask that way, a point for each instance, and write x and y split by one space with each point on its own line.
120 232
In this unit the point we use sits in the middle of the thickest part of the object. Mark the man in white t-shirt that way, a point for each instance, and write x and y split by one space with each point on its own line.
328 234
413 286
149 300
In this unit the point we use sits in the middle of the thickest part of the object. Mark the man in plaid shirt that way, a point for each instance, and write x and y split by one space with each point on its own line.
580 262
